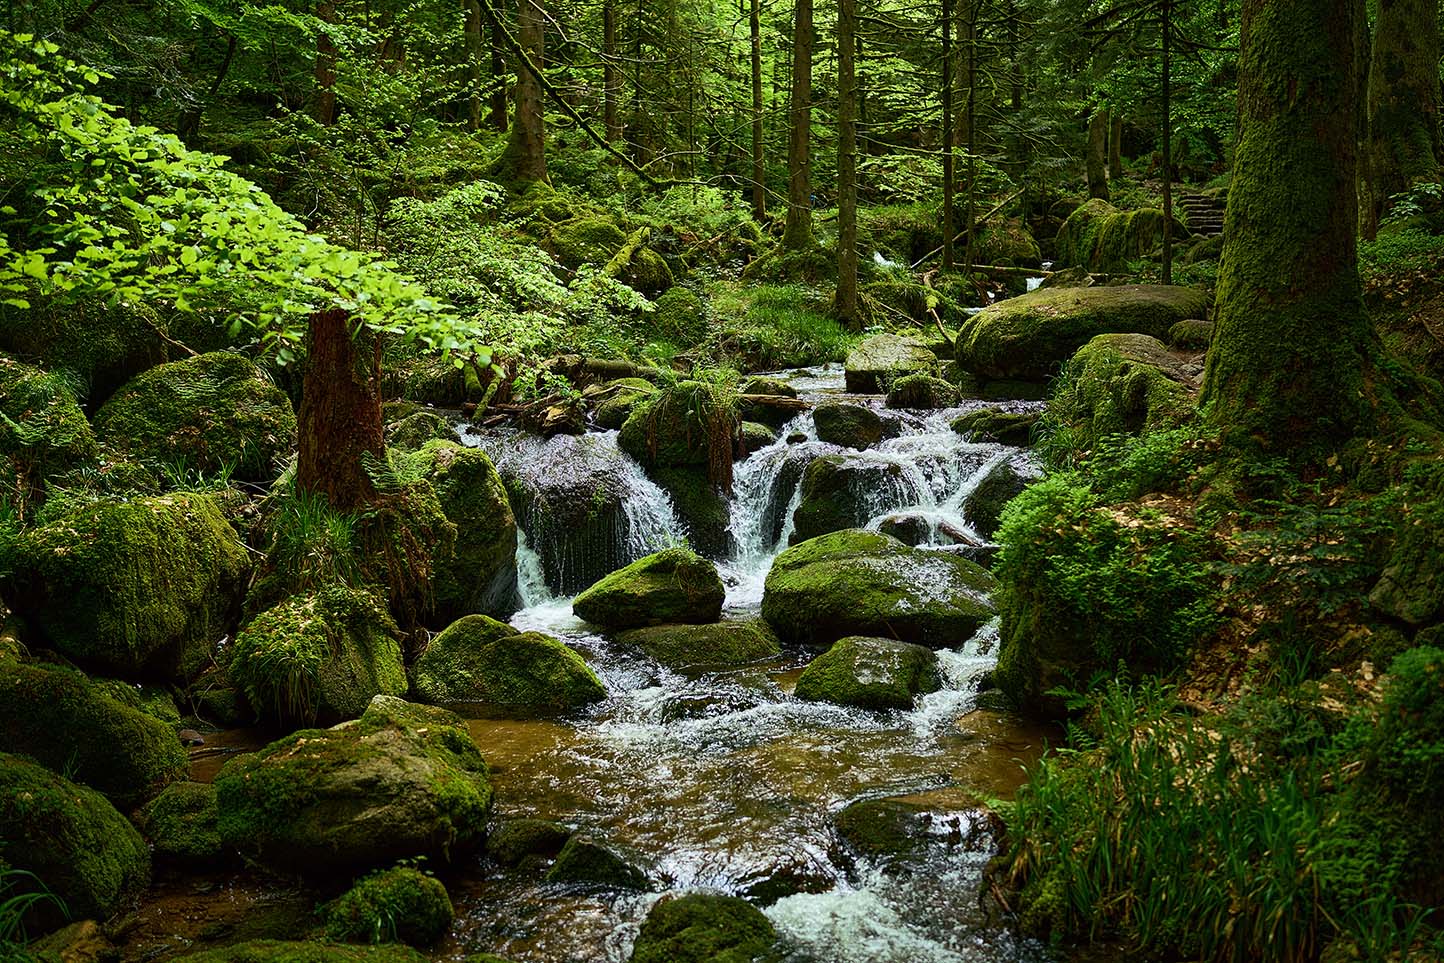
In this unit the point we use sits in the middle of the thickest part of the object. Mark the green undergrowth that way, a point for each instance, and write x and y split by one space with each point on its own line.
766 327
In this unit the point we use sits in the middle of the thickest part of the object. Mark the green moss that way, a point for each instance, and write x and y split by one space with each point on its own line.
902 232
870 674
722 644
851 426
997 425
416 429
676 585
399 905
181 822
1120 384
319 656
1406 750
705 928
1004 482
71 838
43 432
209 412
766 327
103 346
883 829
589 863
620 398
701 507
756 436
515 839
680 317
648 272
586 240
154 700
863 583
689 424
881 359
59 718
277 951
922 391
140 588
1191 335
838 492
1008 241
1101 238
479 660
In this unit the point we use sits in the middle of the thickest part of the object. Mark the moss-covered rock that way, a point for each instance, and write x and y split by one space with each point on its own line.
59 718
648 272
481 661
1003 482
884 829
511 842
996 425
43 432
922 391
870 674
105 346
181 822
619 398
1029 337
1191 335
1101 238
1008 242
586 240
878 361
141 588
864 583
701 507
755 437
1411 588
841 491
413 431
1122 384
705 928
587 862
721 644
280 951
680 317
207 413
764 385
851 426
400 782
320 656
689 424
398 905
70 837
676 585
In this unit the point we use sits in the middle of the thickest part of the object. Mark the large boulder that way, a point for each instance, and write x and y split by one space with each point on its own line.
400 782
586 240
864 583
844 491
1101 238
480 661
851 426
690 424
104 345
676 585
705 928
43 432
1005 241
1123 384
71 838
692 646
141 588
616 400
208 413
61 719
878 361
701 507
1029 337
319 657
870 674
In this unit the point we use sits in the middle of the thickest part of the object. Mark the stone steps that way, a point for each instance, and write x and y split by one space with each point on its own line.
1202 214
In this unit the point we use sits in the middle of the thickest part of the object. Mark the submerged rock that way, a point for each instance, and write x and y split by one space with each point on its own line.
870 674
893 830
864 583
999 426
402 781
514 840
705 928
851 426
676 585
401 904
592 863
181 822
721 644
878 360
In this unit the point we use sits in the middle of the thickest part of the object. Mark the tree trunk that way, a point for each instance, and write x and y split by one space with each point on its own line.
797 235
949 173
846 304
524 159
1167 18
340 416
1403 106
970 121
1097 156
1115 148
611 75
497 108
324 108
1292 343
759 172
473 62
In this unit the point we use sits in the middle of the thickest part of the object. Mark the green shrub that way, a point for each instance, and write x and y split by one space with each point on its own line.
1407 748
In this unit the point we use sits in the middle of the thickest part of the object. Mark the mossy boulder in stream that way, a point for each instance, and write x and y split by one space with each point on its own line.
705 928
513 840
878 361
620 398
1003 482
401 904
701 507
181 822
855 582
320 656
842 491
851 426
922 391
690 424
588 862
71 838
870 674
1028 338
402 781
43 432
281 951
484 662
58 717
207 413
1099 237
140 588
998 426
672 586
721 644
1122 384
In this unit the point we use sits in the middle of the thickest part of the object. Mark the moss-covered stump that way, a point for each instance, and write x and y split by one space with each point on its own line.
1101 238
588 862
1191 335
43 432
62 720
676 585
922 391
851 426
412 432
479 574
864 583
180 823
690 424
870 674
1028 338
702 508
321 656
207 413
1122 384
619 398
402 781
878 361
1008 241
705 928
999 426
70 837
514 840
104 346
586 240
398 905
841 491
692 646
1004 482
280 951
140 589
480 661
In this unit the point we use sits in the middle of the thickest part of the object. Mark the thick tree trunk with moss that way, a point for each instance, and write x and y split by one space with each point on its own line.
1292 344
524 159
846 304
323 109
473 38
1097 157
496 111
1115 148
340 416
797 235
1404 148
